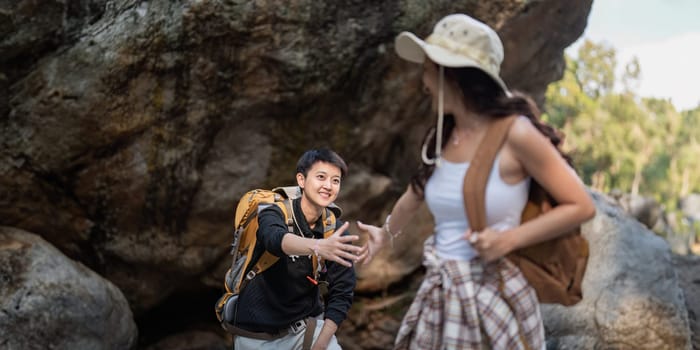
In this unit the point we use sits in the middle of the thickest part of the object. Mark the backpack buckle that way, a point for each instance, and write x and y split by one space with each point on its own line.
250 275
297 327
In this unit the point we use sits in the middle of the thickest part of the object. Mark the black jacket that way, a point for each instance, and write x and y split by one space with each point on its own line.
283 294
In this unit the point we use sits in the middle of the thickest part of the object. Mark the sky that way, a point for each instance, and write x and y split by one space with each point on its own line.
664 35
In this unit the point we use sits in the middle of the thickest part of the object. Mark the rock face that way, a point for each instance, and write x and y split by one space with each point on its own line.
49 301
690 206
632 297
130 128
646 210
688 268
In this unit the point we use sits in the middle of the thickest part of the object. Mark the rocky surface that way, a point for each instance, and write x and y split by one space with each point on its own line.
679 228
130 128
48 301
688 267
632 297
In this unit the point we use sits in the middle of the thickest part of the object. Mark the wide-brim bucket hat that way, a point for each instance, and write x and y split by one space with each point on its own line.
457 40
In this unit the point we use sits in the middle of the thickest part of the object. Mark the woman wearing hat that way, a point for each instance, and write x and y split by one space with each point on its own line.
460 304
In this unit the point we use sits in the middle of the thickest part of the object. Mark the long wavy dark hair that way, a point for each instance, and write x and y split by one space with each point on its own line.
487 98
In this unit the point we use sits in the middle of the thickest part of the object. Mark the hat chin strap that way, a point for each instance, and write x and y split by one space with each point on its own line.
438 141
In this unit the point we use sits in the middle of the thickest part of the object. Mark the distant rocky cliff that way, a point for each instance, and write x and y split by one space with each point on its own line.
130 128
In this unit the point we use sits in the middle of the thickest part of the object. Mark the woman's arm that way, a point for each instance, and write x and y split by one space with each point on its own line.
404 209
541 160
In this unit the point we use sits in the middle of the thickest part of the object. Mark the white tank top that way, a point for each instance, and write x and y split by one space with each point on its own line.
445 199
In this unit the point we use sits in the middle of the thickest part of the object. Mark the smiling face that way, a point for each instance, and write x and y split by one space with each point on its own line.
320 185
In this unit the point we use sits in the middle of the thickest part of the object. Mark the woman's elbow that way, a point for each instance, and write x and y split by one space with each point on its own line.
587 209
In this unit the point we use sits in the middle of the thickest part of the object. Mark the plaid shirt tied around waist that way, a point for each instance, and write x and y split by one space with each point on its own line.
471 305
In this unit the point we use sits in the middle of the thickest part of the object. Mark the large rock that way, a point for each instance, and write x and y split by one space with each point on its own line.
631 293
690 206
130 128
48 301
688 267
644 209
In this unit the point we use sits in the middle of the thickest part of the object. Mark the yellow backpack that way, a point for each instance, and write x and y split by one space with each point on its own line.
243 270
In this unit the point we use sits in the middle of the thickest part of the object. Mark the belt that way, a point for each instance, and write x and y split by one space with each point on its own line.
254 335
308 324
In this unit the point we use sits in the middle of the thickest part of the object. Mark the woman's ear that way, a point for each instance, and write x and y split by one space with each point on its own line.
300 180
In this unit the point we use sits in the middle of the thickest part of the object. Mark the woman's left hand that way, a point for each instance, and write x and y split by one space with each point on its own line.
375 242
489 243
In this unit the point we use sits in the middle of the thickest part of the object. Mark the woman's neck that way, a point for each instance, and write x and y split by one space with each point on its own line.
468 126
469 122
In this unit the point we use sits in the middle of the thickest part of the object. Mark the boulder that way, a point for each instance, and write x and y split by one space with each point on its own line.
688 267
48 301
631 293
129 129
690 206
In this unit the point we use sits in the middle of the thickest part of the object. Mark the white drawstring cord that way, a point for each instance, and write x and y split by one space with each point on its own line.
424 150
438 137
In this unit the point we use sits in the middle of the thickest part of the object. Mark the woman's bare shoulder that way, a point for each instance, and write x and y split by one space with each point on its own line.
522 132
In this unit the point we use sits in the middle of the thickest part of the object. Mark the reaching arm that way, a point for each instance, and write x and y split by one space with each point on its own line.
404 209
338 247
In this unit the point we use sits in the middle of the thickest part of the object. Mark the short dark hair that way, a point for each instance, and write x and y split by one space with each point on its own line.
310 157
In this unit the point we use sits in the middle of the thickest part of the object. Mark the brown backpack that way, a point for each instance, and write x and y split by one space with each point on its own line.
553 268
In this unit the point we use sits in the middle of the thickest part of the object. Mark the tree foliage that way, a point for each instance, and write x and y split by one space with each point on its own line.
595 71
618 139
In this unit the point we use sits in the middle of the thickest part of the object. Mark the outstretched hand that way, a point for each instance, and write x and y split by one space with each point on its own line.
339 248
375 241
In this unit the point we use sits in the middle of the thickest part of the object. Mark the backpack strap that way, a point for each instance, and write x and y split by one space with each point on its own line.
328 218
286 210
329 222
475 185
479 170
268 259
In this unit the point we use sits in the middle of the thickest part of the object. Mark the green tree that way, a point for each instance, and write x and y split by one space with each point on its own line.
631 76
619 140
596 69
565 99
